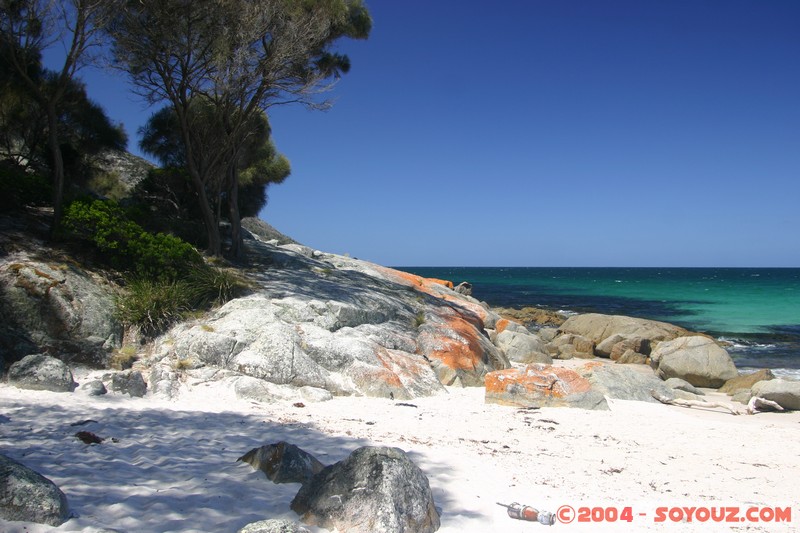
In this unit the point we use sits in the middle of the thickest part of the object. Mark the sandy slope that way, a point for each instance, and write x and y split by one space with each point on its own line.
174 466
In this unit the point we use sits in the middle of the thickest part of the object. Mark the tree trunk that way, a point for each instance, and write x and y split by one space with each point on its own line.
57 168
237 244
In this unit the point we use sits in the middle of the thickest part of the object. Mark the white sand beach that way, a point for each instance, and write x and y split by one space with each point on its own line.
171 465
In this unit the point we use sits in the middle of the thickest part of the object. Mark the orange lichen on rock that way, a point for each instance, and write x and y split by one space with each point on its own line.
537 379
540 385
459 348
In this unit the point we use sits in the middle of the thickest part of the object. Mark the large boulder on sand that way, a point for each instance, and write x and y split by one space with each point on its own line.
696 359
27 496
41 372
522 347
746 381
599 327
784 393
376 489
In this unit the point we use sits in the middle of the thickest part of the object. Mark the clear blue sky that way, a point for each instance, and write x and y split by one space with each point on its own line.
549 133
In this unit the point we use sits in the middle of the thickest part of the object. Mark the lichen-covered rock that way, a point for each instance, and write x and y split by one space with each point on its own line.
696 359
540 385
27 496
374 490
41 372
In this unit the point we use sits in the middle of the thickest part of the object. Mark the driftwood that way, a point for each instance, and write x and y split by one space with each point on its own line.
756 403
692 403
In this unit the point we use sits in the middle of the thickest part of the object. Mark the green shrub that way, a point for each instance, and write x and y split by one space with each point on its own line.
125 244
210 286
153 305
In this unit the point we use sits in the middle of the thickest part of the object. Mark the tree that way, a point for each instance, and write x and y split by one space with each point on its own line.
239 57
259 164
27 27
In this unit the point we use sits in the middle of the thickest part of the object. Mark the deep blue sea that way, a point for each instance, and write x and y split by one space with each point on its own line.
756 309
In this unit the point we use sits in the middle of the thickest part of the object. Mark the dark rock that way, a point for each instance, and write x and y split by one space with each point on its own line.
27 496
376 489
94 388
129 382
283 462
41 372
87 437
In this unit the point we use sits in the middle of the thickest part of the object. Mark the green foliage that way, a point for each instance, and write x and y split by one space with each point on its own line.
126 245
108 184
168 279
153 304
20 188
210 286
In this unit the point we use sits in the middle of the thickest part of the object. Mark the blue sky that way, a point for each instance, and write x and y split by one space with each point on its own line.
548 133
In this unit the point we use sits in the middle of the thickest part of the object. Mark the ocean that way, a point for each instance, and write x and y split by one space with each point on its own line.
756 310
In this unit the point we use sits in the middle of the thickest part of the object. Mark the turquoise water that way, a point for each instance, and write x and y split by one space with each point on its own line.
757 309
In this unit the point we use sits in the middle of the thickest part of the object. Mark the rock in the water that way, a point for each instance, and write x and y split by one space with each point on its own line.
94 388
273 526
283 462
27 496
696 359
784 393
129 382
542 386
522 347
746 381
41 372
376 489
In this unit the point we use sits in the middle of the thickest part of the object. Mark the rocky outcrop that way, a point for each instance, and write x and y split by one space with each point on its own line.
283 462
696 359
27 496
41 372
540 385
55 307
346 326
784 393
376 489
